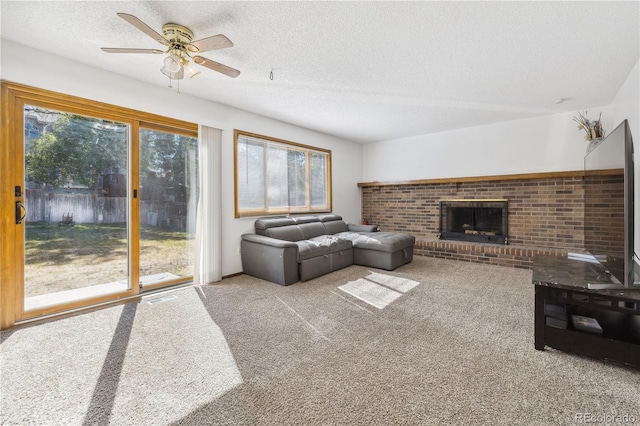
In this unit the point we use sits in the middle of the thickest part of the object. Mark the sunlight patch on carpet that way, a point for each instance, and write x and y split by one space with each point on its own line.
370 292
378 289
177 359
402 285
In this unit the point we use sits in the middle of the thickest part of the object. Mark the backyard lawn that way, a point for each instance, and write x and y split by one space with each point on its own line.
67 257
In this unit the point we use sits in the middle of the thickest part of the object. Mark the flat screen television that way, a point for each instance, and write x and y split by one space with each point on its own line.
609 207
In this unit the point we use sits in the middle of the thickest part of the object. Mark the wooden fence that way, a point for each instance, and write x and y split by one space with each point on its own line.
49 207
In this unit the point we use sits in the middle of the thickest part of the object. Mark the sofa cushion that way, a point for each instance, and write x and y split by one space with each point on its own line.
336 226
333 223
305 219
312 229
288 233
282 228
308 249
329 217
272 222
334 243
380 241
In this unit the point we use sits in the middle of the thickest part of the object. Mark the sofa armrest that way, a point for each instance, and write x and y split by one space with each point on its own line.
269 259
363 228
269 241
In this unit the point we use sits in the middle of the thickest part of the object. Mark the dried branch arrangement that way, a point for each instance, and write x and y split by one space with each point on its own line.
592 129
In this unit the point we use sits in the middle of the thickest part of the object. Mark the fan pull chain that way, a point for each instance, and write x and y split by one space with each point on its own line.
171 87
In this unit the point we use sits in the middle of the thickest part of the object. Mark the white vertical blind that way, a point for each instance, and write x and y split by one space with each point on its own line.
208 259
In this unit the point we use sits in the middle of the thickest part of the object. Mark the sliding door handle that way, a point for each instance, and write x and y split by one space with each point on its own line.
21 212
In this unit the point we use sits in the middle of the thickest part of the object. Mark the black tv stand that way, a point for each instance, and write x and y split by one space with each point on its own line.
570 316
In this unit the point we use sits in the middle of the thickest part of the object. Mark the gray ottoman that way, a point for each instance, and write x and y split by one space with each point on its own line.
385 250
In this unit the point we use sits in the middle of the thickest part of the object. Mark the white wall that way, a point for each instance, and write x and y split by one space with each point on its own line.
24 65
541 144
626 105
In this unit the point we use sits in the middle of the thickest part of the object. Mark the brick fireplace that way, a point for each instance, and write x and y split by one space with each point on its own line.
482 221
545 214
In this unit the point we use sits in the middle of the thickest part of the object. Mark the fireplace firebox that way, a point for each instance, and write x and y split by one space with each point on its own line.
484 221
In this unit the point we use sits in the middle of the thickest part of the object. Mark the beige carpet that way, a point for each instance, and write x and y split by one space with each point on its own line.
434 342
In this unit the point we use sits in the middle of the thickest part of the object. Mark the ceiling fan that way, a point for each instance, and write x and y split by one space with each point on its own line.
180 49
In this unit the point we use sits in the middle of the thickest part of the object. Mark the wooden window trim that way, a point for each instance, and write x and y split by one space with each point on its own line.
294 145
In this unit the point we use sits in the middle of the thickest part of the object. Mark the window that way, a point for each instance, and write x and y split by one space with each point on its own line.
274 176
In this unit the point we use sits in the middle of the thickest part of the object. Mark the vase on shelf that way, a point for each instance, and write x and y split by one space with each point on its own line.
594 132
593 143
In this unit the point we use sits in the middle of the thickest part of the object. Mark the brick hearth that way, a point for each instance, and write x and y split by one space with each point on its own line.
504 255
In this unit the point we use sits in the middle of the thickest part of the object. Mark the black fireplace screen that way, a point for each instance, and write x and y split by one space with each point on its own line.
474 220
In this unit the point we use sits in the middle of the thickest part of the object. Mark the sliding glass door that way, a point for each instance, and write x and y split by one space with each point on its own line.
98 203
168 199
76 206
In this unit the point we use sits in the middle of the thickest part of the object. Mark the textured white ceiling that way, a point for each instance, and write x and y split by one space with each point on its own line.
365 71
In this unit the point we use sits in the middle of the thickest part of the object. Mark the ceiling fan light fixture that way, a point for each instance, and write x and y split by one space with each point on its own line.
190 70
180 46
172 63
173 75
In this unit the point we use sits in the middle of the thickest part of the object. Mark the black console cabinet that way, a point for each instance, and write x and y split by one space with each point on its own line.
562 298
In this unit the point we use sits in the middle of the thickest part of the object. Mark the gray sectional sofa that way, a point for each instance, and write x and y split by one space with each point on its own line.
289 249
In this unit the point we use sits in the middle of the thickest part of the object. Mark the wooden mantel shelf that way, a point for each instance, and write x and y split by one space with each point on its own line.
542 175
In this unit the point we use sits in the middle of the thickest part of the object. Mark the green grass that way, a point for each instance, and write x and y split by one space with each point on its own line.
49 237
65 257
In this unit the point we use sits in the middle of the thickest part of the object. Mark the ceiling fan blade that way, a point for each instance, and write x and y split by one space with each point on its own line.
125 50
216 66
215 42
144 28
